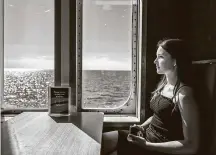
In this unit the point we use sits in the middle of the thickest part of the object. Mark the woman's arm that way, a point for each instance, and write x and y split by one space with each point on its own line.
189 114
172 147
147 122
143 126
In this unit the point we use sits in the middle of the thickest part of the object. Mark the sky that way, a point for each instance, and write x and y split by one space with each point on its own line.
29 34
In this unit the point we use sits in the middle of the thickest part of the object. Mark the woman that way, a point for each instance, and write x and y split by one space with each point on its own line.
173 128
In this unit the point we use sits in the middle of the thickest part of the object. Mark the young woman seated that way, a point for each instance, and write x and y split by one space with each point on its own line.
173 128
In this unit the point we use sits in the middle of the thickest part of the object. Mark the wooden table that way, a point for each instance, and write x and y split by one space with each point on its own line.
37 133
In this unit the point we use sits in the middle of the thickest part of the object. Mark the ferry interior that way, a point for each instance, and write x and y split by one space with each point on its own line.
102 52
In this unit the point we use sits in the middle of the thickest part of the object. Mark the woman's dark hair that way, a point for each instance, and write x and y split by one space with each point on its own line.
180 51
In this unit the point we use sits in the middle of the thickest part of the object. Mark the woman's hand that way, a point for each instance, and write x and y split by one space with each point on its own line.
137 140
139 127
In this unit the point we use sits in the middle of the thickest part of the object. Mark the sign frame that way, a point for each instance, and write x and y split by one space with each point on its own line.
56 98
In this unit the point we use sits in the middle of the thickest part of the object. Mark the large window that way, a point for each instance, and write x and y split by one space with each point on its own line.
28 52
108 51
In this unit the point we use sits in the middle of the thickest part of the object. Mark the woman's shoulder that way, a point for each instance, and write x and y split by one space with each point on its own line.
185 90
185 93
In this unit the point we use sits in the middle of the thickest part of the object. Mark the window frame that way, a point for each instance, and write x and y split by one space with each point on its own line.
57 57
1 51
138 67
133 72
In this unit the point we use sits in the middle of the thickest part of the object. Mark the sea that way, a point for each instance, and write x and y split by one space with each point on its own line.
27 88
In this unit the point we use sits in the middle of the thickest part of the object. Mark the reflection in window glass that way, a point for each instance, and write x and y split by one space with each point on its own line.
107 53
28 52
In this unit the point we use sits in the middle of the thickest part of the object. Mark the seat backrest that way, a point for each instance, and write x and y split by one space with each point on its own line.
205 95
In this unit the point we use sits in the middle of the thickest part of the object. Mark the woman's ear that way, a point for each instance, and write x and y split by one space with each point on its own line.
174 63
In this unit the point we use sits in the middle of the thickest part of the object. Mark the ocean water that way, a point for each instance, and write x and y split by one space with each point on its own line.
28 88
105 88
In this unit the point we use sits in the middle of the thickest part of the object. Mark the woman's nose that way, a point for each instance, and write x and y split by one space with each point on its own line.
155 61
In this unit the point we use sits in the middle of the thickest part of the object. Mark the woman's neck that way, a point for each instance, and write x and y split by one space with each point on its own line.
171 78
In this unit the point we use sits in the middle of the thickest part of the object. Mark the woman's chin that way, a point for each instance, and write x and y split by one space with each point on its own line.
159 72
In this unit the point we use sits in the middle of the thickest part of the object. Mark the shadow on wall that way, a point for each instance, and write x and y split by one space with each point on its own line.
204 87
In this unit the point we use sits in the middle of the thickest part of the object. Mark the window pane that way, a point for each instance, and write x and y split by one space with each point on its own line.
28 52
106 53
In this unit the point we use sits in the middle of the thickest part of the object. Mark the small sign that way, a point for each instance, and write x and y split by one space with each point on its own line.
59 100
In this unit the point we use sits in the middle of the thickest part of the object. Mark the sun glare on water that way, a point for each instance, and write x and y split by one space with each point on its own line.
21 69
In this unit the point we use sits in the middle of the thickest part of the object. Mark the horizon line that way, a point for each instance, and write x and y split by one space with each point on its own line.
25 69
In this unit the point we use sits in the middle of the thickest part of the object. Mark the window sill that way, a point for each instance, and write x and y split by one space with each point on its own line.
111 120
5 118
20 110
121 119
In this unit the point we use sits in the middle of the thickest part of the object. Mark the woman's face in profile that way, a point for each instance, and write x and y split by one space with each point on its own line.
164 62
